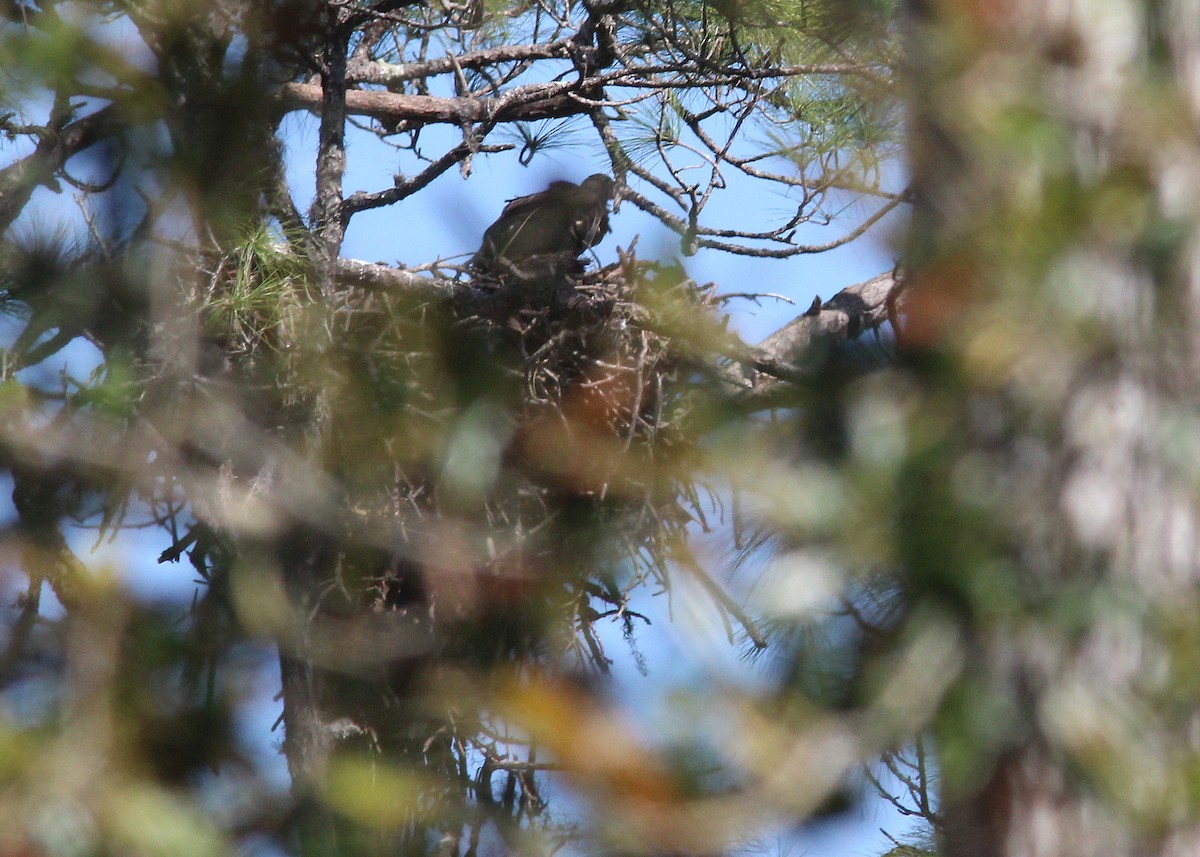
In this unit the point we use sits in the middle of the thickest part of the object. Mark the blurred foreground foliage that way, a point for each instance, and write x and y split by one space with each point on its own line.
956 504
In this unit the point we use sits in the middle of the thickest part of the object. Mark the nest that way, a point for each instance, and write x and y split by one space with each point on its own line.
517 445
512 458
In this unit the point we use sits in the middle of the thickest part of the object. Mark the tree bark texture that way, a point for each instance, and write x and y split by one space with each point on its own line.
1053 304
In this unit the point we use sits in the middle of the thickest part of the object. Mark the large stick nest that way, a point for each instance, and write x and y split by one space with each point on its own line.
511 441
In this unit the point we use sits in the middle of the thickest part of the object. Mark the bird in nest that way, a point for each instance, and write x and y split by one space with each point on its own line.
558 223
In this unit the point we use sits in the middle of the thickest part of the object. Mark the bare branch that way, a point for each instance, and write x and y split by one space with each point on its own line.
393 74
790 249
362 201
855 309
355 273
533 101
326 212
18 180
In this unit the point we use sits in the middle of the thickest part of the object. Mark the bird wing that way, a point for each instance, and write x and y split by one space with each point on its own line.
529 225
563 218
556 190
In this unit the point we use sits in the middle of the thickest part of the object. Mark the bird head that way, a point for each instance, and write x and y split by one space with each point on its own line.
599 184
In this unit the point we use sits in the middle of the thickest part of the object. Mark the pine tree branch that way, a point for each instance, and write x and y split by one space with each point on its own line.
855 309
19 179
393 74
757 370
524 103
326 211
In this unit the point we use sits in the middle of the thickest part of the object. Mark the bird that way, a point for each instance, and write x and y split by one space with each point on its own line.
558 223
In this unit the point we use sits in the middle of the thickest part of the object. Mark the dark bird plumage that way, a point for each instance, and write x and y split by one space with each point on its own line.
561 221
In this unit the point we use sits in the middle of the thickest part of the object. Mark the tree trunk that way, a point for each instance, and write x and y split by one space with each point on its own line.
1053 317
